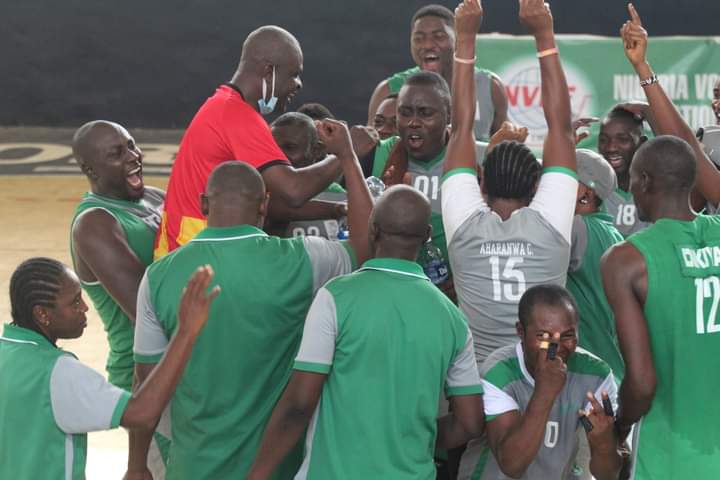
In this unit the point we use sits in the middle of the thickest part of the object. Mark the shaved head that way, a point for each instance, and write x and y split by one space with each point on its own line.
235 195
670 161
270 44
400 220
86 139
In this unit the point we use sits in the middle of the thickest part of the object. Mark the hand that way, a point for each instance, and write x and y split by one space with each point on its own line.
550 375
635 38
392 176
144 475
335 136
195 303
507 131
603 431
468 17
582 122
448 288
536 16
364 139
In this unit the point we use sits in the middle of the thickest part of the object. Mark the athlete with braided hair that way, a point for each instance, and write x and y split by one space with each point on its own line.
513 231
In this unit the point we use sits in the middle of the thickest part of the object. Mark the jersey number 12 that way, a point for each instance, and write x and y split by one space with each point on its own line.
505 290
707 288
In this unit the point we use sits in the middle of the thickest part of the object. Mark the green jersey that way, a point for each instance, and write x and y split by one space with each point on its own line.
139 221
386 362
678 437
425 177
49 402
242 359
484 105
592 236
328 228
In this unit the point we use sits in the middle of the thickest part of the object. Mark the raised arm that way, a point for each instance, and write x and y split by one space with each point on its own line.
461 148
295 186
625 280
667 120
559 148
336 137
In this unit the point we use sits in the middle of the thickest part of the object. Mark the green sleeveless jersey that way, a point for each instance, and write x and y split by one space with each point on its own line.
484 105
592 236
140 221
678 437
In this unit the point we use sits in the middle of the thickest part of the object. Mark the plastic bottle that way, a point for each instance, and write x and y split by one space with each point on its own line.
377 188
433 263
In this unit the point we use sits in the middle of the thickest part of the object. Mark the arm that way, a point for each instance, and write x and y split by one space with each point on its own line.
667 119
311 210
381 91
461 147
605 460
625 282
465 422
289 420
103 254
500 101
295 186
336 137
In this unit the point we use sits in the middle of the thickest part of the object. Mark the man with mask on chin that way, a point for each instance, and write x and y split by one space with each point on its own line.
230 126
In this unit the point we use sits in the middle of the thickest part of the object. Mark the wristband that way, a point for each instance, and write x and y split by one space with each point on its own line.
649 81
548 52
466 61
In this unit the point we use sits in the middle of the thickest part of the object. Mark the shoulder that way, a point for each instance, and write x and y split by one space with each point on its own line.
583 362
502 367
396 81
92 222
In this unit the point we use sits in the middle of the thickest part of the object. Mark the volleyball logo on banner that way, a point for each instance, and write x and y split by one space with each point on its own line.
523 89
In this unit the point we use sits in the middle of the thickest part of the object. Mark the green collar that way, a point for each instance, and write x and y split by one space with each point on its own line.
235 232
16 334
395 265
121 203
428 164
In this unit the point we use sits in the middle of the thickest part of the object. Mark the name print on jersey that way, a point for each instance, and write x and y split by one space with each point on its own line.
508 280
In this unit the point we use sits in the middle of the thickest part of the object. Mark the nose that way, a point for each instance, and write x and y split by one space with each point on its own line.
298 83
83 306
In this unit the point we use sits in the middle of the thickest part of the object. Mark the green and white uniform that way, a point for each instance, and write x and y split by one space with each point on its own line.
678 437
620 205
495 261
243 357
49 402
484 105
387 362
426 177
592 236
140 221
508 386
320 228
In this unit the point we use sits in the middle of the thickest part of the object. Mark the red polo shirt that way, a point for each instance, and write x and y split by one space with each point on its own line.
225 128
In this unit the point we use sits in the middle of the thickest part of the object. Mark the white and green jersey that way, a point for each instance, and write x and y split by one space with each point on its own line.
387 362
328 228
48 403
620 205
243 357
509 386
495 261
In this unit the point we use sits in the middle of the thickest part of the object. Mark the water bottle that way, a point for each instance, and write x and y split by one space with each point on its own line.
433 263
377 188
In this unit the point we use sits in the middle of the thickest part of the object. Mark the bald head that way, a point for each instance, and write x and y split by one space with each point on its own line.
270 44
400 220
88 138
669 161
232 182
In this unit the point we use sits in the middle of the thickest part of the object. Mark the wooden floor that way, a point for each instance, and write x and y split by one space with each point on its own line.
35 212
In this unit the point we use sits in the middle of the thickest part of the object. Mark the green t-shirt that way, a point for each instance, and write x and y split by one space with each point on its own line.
387 362
139 221
242 359
592 236
678 437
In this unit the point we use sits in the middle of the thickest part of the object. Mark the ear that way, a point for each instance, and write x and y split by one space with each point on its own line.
646 182
267 71
40 315
428 234
520 330
204 204
263 207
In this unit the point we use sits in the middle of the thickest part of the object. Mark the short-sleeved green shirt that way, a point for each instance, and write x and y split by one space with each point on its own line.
242 359
387 363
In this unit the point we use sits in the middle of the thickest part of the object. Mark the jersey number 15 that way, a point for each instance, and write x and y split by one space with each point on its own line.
512 286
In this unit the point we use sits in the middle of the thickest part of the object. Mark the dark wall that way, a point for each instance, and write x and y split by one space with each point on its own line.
151 63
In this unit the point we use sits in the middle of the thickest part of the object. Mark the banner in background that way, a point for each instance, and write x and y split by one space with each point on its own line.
600 76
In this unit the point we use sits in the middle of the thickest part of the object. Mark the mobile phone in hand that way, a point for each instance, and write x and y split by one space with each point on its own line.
552 351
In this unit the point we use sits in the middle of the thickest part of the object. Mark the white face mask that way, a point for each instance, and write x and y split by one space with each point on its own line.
267 107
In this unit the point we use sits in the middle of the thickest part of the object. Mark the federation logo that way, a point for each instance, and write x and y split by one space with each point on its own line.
523 90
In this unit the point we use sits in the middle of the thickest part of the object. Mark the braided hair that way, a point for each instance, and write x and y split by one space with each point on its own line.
35 281
511 171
